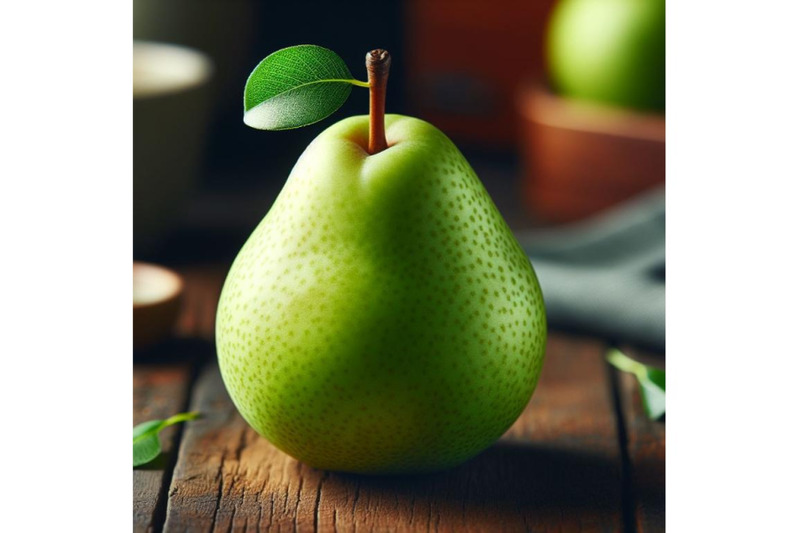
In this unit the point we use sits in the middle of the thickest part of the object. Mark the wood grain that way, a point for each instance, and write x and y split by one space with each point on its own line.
557 469
158 392
646 444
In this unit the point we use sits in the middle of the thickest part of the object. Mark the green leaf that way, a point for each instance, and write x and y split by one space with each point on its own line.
145 428
654 393
296 86
146 445
146 449
652 382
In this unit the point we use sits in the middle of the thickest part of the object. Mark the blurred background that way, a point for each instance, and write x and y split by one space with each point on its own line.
557 104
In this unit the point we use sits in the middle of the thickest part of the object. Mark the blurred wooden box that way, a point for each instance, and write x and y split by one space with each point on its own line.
465 60
582 158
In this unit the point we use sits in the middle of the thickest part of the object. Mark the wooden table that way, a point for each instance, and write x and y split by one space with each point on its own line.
581 457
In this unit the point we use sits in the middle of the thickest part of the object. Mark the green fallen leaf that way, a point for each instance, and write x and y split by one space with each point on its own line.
652 382
146 445
296 86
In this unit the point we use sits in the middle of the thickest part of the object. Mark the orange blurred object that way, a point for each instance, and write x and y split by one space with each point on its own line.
466 59
582 158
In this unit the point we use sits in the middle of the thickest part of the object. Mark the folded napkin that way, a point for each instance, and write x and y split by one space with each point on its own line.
605 276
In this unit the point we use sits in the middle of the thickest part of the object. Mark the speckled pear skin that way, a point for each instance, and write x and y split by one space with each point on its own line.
381 318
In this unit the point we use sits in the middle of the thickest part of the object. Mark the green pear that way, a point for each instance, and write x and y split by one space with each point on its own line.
382 318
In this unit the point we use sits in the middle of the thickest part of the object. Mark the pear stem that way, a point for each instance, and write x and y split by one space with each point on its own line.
378 62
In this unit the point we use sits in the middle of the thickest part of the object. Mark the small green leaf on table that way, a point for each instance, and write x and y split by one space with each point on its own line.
652 382
146 445
296 86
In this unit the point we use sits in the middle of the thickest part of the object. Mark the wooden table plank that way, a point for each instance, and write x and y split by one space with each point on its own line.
557 469
646 443
159 391
161 381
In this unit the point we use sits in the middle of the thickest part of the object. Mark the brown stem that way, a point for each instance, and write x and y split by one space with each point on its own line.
378 62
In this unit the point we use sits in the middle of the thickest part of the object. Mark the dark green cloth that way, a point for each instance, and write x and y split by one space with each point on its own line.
606 275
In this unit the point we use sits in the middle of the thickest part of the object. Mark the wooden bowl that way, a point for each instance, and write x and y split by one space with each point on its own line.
157 295
582 158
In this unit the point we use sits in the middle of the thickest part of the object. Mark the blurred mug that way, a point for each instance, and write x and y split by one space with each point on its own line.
170 121
223 29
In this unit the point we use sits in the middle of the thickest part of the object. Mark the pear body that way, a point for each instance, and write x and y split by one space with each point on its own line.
382 318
